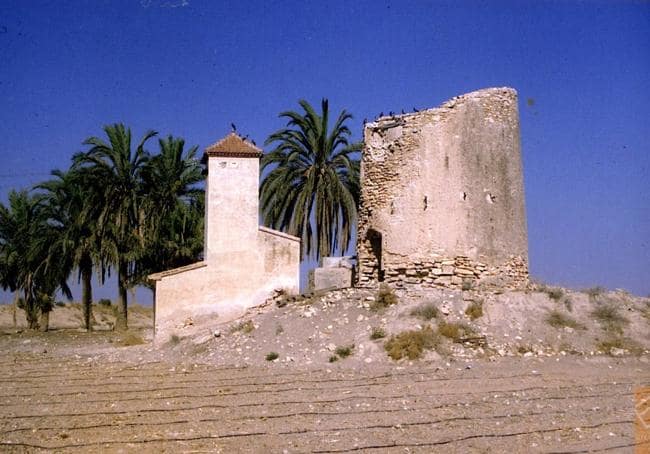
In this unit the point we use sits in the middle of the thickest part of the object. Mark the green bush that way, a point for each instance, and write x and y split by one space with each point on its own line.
104 302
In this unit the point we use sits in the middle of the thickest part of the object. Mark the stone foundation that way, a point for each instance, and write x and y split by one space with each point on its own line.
454 272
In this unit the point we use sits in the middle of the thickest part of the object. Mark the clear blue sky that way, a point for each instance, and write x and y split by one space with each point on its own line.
190 67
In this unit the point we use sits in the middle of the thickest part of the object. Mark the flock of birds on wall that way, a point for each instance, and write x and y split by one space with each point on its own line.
245 138
391 114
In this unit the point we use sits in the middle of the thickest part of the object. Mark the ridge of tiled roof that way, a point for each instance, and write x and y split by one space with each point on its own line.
233 145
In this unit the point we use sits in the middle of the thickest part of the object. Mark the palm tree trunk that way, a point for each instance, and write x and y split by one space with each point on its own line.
87 292
44 321
31 312
121 324
15 309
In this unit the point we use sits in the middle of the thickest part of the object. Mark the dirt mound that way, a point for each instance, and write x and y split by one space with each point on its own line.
353 326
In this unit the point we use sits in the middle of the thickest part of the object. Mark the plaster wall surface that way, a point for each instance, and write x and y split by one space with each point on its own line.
232 208
444 185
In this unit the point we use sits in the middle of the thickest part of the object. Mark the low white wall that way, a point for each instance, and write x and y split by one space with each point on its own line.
227 285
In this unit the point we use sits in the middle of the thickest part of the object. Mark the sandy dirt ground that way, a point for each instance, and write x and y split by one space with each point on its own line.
207 386
78 392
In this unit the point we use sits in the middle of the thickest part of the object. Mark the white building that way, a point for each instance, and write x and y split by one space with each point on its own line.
244 262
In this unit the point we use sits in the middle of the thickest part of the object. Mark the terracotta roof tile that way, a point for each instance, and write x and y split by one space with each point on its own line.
233 145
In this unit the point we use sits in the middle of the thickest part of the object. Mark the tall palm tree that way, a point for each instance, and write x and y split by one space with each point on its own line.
72 208
312 186
116 169
25 239
174 227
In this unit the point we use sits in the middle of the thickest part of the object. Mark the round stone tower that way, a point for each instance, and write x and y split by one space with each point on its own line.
442 195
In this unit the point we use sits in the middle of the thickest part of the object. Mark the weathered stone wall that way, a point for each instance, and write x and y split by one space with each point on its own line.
442 196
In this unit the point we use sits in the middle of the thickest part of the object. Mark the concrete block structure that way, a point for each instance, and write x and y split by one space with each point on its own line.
244 262
442 196
334 273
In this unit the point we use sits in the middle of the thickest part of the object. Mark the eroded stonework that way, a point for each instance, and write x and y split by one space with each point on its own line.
442 196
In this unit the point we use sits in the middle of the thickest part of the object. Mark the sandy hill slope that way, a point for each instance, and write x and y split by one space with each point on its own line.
359 327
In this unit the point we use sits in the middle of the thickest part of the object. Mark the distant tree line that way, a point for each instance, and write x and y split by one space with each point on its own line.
122 209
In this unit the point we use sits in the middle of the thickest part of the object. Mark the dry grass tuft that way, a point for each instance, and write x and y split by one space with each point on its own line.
425 311
411 344
595 292
456 331
559 320
475 310
385 298
344 351
610 317
271 356
608 345
246 327
377 333
129 339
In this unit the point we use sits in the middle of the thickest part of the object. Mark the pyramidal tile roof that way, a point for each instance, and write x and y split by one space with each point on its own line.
233 145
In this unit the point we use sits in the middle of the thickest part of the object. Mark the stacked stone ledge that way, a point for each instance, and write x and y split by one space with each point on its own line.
450 273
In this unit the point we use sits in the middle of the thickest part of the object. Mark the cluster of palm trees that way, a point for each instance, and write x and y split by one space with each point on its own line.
115 209
123 210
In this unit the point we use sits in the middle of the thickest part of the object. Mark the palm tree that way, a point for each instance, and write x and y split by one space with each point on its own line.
174 227
114 168
25 240
71 204
312 186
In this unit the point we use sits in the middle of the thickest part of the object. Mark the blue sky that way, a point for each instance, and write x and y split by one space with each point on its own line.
190 67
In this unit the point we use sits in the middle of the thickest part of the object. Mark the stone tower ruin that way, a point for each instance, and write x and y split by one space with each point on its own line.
442 196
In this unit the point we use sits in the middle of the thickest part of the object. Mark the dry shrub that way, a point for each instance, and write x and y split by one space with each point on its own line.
385 297
377 333
595 292
130 338
456 331
271 356
558 320
411 344
344 351
475 310
607 345
425 311
174 339
143 310
246 327
610 317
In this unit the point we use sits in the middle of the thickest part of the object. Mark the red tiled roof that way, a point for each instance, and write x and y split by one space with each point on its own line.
233 145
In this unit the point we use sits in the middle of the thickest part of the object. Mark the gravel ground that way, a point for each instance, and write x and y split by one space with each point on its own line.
76 392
